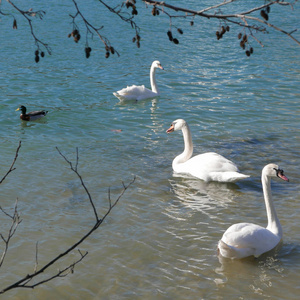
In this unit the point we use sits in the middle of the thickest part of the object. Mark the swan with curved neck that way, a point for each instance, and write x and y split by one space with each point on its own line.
207 166
247 239
135 92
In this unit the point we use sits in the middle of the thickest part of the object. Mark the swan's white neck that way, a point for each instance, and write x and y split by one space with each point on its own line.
188 147
273 221
153 81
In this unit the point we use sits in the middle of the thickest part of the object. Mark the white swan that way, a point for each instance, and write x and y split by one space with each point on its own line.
135 92
207 166
247 239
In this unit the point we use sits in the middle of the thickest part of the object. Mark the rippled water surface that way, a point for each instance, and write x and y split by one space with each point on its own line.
160 241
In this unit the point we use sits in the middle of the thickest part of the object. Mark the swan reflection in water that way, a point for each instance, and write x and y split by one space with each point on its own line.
198 194
257 274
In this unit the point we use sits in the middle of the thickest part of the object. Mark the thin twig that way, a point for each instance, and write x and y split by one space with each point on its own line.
81 180
13 163
16 220
28 15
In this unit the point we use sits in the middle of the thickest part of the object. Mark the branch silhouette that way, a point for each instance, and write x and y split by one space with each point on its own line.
15 217
12 168
25 282
126 10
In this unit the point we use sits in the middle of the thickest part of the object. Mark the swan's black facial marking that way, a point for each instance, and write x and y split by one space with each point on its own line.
279 174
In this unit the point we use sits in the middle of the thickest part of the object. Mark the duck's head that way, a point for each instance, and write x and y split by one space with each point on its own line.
22 108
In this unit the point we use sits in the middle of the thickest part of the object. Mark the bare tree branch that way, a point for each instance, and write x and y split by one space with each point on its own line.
25 281
127 10
29 15
13 163
15 221
81 180
236 18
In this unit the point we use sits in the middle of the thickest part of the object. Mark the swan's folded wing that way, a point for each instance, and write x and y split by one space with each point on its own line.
135 92
245 236
130 92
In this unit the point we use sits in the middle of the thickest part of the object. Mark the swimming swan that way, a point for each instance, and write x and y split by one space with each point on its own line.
247 239
207 166
135 92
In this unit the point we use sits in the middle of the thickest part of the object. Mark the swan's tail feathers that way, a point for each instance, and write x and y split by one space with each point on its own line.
227 176
234 252
238 176
119 96
226 250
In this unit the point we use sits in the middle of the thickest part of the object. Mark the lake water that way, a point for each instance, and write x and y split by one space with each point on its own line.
160 241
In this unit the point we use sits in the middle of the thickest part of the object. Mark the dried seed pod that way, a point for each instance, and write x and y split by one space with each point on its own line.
268 9
154 11
15 24
37 59
134 11
251 50
107 55
169 33
248 53
36 52
69 35
138 44
175 41
240 36
245 38
192 23
42 54
75 32
128 4
223 30
264 15
88 51
242 44
112 50
138 37
227 28
180 30
134 39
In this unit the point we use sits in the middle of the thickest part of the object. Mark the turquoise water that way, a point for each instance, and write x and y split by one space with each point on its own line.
160 241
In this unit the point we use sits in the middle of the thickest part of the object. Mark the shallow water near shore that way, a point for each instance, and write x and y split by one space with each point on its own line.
160 241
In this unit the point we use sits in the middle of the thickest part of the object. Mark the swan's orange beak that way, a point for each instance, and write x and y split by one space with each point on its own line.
171 129
161 67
